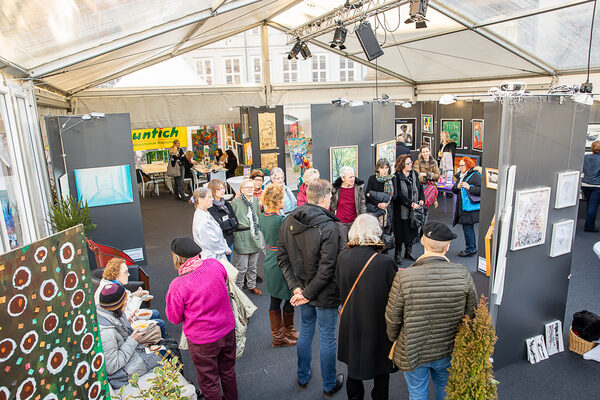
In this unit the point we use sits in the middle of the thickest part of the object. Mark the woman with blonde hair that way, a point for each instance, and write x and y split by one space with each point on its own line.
206 231
364 346
310 175
282 327
246 239
176 171
222 212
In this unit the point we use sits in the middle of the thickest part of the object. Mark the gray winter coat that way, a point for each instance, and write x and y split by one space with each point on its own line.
426 304
121 351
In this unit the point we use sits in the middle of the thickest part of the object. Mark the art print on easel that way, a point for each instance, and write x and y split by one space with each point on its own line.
454 129
387 150
567 189
405 127
342 156
562 237
530 218
427 123
477 130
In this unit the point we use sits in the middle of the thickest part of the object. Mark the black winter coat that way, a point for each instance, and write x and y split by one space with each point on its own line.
473 178
363 343
376 192
308 249
227 220
403 201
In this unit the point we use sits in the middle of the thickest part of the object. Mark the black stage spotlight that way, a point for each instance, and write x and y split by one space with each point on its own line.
295 50
304 51
417 12
339 37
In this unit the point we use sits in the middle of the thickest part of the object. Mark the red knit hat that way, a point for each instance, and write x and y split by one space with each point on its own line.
469 163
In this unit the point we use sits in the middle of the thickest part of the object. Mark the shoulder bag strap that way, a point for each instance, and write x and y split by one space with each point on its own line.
355 282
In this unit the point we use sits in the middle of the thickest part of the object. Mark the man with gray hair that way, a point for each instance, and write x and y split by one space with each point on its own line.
307 254
348 200
426 305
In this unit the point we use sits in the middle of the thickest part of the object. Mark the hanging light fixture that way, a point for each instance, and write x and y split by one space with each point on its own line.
295 50
417 11
339 37
447 99
304 51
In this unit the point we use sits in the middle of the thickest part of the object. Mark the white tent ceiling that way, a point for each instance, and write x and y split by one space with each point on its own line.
77 44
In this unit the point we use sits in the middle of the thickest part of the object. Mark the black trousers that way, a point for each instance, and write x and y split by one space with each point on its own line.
381 385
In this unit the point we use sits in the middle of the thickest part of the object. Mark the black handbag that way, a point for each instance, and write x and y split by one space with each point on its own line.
388 240
417 218
586 325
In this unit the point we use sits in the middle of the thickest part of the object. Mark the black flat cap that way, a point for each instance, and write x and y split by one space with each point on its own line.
185 247
438 231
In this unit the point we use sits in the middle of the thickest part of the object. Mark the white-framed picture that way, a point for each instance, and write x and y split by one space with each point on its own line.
491 178
562 237
536 349
554 337
593 133
530 218
567 189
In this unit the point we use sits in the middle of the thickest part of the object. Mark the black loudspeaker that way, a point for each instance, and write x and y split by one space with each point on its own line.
368 41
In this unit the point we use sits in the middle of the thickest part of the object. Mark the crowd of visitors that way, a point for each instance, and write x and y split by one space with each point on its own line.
324 253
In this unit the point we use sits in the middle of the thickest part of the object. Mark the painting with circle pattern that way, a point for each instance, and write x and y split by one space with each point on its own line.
49 339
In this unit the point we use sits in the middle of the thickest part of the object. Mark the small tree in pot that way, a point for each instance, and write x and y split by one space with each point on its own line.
70 212
471 374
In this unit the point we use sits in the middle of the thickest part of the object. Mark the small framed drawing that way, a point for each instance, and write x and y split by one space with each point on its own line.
567 189
406 127
427 123
491 178
427 140
477 125
562 237
530 218
387 150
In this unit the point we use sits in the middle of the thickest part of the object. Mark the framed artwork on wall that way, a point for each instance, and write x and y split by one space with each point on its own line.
428 140
562 237
386 150
268 160
477 125
248 153
593 133
267 131
341 156
406 127
530 218
427 123
455 130
491 178
567 189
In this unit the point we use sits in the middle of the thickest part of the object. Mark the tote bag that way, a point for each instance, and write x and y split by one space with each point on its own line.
470 202
173 171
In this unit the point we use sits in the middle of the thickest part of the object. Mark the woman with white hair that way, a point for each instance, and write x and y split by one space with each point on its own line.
365 347
310 175
347 200
278 178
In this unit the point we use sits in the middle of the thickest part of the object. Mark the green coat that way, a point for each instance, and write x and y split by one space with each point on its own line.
243 241
276 284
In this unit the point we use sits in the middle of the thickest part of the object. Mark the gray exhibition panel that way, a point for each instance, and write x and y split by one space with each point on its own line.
95 143
253 113
363 126
541 138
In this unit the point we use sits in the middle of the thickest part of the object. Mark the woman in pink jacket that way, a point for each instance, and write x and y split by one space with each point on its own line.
199 299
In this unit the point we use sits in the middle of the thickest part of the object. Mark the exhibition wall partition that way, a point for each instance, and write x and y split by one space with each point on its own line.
541 150
263 137
98 166
344 135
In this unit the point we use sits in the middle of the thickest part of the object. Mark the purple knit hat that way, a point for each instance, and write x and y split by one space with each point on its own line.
112 297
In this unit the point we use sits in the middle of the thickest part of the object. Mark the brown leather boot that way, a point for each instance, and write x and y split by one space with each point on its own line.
277 330
288 326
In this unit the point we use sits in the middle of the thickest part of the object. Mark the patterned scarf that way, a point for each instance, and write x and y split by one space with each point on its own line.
189 266
221 205
253 212
387 183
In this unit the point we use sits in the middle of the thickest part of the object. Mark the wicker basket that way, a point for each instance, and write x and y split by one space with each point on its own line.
578 345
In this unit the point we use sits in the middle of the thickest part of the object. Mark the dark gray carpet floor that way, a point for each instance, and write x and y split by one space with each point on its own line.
270 373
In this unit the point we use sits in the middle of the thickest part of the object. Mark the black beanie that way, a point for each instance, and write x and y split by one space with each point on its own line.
185 247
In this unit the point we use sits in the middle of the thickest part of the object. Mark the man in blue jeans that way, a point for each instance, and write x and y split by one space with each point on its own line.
308 247
426 304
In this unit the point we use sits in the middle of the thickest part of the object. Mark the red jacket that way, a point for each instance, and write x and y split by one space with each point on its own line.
301 195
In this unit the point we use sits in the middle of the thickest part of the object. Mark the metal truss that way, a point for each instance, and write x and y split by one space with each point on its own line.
354 11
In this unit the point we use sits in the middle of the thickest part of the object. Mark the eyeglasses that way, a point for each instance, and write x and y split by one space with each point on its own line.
221 188
461 165
408 163
258 179
247 187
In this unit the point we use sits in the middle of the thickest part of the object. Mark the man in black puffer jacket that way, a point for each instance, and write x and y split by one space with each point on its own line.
308 249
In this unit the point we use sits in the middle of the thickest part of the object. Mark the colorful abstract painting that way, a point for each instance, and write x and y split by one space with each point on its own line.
248 153
342 156
300 150
454 129
387 150
478 134
206 136
49 338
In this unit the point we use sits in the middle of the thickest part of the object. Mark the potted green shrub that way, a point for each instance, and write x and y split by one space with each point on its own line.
471 373
164 385
67 213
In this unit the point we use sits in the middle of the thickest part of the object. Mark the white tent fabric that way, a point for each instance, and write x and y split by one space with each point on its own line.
76 45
